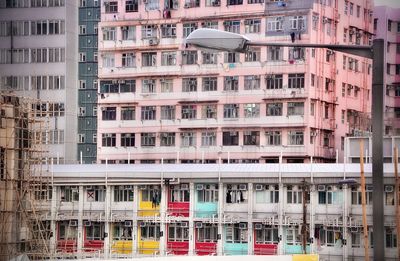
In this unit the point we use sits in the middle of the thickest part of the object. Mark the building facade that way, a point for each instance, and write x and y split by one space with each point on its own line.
387 27
160 99
39 59
112 211
89 16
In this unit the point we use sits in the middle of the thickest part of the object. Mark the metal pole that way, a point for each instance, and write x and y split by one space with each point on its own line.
377 148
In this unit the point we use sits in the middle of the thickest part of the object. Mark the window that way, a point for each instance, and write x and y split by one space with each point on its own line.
128 60
274 109
207 193
358 10
295 138
231 57
234 2
131 6
148 86
168 58
236 233
149 59
120 231
297 23
167 139
168 31
351 8
252 55
108 60
166 85
127 86
210 24
295 195
208 139
273 138
389 195
69 194
296 80
296 53
128 113
188 28
148 113
232 26
325 195
179 193
150 231
230 138
275 24
209 84
315 22
111 7
128 33
108 140
148 140
152 5
189 57
295 108
82 29
96 193
167 112
209 111
209 58
108 113
192 3
251 138
330 236
251 82
109 34
390 238
178 232
267 193
251 110
356 195
252 26
231 83
149 31
188 139
189 84
67 232
127 139
207 233
189 112
274 81
267 235
231 111
389 25
275 53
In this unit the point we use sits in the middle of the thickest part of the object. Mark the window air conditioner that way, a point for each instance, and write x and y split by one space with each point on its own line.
199 187
242 226
258 226
87 223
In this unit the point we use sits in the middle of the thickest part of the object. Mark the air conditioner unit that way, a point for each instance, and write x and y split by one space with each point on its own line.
89 188
153 41
258 226
183 224
199 225
389 189
242 226
242 187
329 188
247 133
199 187
187 5
142 187
142 224
321 188
73 223
87 223
369 188
121 81
215 3
127 223
124 28
325 20
229 186
184 186
259 187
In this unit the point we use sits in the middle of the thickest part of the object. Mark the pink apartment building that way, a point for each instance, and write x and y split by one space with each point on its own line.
387 27
160 99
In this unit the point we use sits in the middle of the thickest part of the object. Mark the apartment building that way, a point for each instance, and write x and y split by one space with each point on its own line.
111 211
160 99
387 27
39 59
89 16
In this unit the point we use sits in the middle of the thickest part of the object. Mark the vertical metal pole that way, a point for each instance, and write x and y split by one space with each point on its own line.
377 148
363 202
